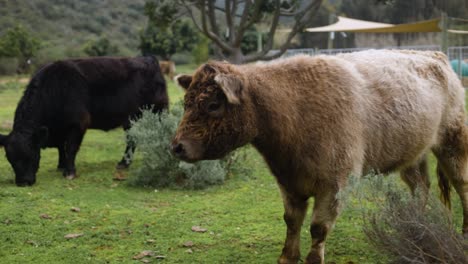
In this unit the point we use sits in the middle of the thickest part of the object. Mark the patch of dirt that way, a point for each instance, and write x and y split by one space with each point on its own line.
6 125
15 79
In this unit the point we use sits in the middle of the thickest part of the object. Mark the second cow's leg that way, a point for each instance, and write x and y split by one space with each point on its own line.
126 160
71 147
295 209
326 209
61 159
417 176
127 157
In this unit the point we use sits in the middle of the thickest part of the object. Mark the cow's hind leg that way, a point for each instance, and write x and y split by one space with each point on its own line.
295 209
417 178
326 209
452 156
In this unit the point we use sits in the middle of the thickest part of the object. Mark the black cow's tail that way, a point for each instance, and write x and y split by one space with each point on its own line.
444 186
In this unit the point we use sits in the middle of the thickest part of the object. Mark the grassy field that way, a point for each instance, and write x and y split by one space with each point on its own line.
116 222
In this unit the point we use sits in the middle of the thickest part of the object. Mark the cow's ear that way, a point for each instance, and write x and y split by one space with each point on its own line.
40 136
3 140
183 80
231 86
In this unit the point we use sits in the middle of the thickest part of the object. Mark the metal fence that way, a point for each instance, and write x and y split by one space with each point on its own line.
458 57
292 52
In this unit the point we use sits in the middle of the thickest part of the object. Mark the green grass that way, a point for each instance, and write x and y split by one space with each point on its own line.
243 217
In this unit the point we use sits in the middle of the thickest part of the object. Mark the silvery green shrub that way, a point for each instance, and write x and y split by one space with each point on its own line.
152 134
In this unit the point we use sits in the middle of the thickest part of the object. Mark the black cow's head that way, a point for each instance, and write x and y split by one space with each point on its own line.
23 151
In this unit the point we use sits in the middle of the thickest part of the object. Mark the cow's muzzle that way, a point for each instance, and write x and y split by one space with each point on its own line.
186 150
24 183
178 150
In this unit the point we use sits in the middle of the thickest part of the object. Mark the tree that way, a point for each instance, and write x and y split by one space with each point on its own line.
165 42
18 43
241 15
100 47
165 35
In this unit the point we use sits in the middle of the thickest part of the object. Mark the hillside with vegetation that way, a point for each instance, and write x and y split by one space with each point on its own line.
64 27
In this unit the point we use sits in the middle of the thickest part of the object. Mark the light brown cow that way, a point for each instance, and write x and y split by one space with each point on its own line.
319 120
168 68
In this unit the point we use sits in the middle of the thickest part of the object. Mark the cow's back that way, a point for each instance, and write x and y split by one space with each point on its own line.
119 87
99 93
380 109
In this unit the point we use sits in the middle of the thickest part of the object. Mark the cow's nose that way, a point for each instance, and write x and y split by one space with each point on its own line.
178 149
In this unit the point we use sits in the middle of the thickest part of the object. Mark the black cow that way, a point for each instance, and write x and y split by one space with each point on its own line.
65 98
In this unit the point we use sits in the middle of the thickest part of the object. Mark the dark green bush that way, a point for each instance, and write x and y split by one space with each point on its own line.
153 134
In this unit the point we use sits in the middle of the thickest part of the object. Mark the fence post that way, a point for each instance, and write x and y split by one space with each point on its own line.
444 35
331 34
460 60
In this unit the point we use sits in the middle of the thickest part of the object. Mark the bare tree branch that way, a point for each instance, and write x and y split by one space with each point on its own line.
233 15
245 23
229 19
238 24
274 25
189 11
212 18
210 34
302 19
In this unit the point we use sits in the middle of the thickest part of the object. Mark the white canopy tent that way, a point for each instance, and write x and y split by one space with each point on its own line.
345 24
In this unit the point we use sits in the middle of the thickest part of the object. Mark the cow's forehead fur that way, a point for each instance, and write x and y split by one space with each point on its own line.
204 75
203 83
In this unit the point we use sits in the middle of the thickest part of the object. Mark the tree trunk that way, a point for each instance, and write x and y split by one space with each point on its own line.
236 56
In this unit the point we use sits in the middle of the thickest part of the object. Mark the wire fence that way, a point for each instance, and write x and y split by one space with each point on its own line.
458 57
292 52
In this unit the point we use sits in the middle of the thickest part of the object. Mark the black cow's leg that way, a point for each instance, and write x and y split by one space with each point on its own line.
61 159
71 147
126 160
295 209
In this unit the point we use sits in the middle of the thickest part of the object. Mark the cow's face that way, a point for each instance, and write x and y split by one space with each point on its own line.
23 153
215 120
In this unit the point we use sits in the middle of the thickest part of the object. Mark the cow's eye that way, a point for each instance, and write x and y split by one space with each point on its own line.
213 107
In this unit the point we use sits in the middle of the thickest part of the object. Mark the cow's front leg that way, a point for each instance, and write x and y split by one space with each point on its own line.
71 147
295 209
128 154
61 159
326 209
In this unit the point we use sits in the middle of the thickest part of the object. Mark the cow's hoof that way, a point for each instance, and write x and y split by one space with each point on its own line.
314 259
287 260
122 166
70 176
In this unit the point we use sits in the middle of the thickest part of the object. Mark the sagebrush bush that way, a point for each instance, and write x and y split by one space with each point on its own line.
152 134
408 229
